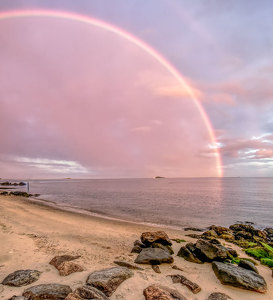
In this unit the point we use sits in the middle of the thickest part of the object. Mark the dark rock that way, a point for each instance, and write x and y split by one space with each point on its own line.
219 296
220 230
242 227
239 277
108 280
246 264
22 277
153 256
156 268
194 235
68 267
19 193
243 234
138 243
188 255
22 183
148 238
159 292
57 260
210 234
164 247
175 267
193 229
127 264
210 251
17 298
193 287
4 193
87 292
136 249
47 291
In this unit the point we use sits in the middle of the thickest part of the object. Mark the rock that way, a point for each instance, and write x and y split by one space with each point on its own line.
22 183
138 243
147 238
246 264
19 193
193 229
220 230
57 260
136 249
68 267
17 298
127 264
210 234
21 277
4 193
156 268
188 255
211 251
166 248
86 292
219 296
193 287
242 234
194 235
108 280
47 291
239 277
242 227
175 267
159 292
153 256
229 237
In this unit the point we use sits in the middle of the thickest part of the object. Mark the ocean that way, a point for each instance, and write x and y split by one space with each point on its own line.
171 202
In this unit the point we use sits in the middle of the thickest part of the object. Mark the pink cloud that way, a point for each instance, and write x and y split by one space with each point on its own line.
77 94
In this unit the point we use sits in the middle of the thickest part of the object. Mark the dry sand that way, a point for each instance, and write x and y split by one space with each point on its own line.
31 234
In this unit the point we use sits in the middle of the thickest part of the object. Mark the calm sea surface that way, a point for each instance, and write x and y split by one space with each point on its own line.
170 202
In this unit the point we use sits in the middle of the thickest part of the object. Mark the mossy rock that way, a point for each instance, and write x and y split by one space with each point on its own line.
258 252
267 262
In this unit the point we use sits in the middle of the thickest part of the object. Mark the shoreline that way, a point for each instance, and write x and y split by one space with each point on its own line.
32 233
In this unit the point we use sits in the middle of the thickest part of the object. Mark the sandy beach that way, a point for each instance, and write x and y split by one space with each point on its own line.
31 234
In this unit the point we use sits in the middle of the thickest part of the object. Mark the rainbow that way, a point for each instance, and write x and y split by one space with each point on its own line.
134 40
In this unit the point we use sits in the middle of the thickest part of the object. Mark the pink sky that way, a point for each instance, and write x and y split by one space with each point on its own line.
77 101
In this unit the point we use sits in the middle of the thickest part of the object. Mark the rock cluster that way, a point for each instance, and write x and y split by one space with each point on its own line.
205 251
154 248
7 183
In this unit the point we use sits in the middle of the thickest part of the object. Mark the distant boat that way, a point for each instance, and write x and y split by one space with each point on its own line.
157 177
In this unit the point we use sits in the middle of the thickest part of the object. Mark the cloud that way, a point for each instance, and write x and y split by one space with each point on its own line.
81 101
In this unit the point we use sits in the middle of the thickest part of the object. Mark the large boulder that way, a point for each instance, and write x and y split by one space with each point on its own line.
153 256
21 277
230 274
86 292
210 251
159 292
148 238
219 296
108 280
47 291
